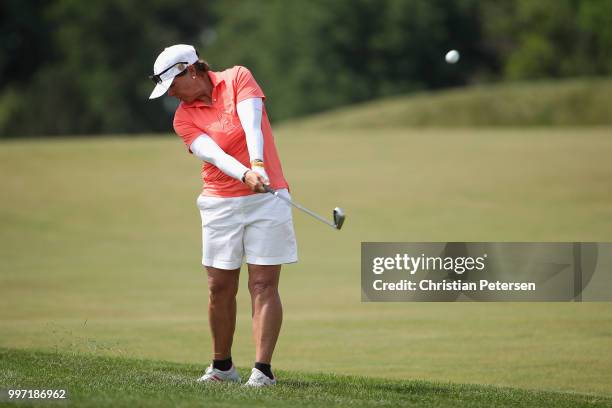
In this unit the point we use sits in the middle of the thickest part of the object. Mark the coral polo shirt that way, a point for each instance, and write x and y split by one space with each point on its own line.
220 121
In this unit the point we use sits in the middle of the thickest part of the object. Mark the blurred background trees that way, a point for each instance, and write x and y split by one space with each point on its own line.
80 67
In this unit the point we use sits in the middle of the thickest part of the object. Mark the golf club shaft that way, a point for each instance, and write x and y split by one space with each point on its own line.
299 207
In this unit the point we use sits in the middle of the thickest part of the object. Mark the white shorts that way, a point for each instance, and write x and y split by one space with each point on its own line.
258 227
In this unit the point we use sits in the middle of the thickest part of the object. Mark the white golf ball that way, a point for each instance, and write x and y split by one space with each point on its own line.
452 56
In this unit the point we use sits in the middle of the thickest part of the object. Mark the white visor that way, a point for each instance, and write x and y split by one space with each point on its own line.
166 79
171 62
161 88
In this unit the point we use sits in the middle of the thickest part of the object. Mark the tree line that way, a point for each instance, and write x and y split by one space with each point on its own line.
80 67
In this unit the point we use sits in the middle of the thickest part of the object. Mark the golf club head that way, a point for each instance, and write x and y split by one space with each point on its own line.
339 217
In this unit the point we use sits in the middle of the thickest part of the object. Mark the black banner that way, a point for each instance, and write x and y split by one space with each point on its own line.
486 271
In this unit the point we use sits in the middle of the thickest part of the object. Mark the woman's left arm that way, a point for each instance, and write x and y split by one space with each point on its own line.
249 112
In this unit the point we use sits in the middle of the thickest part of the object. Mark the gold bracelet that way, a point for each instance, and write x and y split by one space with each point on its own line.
257 163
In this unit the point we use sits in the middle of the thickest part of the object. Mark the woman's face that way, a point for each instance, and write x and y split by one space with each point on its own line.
184 87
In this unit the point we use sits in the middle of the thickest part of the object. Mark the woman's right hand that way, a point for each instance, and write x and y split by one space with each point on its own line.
255 181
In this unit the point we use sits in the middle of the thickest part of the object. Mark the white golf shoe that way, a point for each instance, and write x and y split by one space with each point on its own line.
214 375
259 379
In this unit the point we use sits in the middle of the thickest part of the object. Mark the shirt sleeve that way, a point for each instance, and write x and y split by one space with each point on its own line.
186 129
245 85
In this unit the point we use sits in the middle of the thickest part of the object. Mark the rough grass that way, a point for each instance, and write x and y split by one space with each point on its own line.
574 102
93 381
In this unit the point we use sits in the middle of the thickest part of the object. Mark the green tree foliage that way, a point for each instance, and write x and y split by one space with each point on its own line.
550 38
311 56
80 67
595 21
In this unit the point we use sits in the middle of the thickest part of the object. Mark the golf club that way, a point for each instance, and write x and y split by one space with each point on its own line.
338 212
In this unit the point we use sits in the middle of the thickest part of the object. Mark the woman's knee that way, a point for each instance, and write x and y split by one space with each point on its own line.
263 287
222 287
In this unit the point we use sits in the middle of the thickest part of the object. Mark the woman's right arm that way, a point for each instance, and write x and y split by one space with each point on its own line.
204 148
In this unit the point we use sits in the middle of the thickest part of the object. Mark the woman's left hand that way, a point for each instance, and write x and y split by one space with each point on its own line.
255 181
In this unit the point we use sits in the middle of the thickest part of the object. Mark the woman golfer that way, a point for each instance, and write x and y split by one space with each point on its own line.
223 122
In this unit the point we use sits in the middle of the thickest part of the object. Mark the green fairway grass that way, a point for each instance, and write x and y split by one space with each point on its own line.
102 381
100 248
